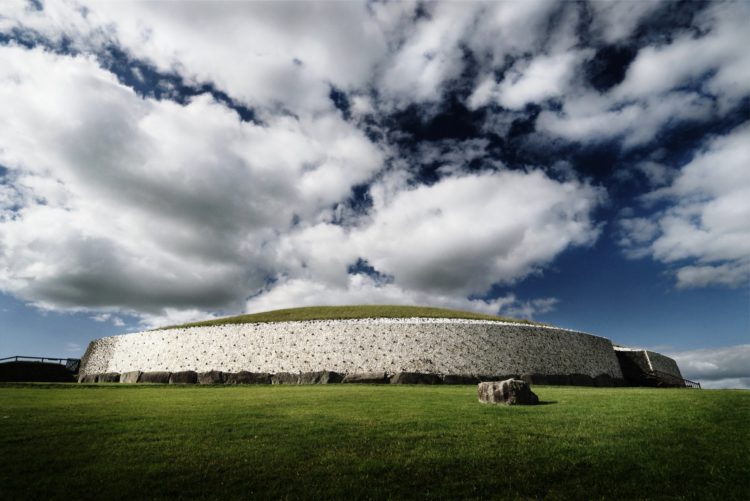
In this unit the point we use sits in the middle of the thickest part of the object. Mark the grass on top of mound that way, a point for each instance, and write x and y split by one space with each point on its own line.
349 312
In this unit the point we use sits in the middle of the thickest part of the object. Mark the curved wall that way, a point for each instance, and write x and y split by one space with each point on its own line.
436 346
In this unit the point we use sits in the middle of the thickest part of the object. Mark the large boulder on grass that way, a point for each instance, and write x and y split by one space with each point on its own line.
183 377
508 392
415 378
158 377
211 377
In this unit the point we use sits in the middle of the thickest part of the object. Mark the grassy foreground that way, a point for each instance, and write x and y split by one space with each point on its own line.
350 441
349 312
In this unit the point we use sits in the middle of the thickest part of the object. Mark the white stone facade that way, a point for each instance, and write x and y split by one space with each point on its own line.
436 346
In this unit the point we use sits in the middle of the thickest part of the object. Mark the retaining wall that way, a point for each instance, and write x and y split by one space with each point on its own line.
430 346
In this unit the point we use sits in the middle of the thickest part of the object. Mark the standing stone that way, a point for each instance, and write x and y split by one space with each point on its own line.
509 392
210 377
130 377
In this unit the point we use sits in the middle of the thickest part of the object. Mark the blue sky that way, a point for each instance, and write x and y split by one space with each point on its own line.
584 164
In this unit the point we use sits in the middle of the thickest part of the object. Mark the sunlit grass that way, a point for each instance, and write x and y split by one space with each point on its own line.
350 441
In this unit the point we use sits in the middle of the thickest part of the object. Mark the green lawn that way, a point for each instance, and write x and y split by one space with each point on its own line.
351 441
348 312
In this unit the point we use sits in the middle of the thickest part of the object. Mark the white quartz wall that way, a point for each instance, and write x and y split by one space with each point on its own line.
438 346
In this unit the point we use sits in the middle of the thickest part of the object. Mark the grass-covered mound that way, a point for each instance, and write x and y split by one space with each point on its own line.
349 312
370 442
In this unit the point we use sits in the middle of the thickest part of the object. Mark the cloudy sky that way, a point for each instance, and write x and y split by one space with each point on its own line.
582 163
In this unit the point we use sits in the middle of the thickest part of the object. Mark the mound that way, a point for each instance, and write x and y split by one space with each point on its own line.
349 312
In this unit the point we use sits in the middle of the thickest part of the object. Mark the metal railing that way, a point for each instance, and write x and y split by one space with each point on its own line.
70 363
667 379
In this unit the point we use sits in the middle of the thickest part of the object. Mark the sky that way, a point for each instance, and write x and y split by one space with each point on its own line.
585 164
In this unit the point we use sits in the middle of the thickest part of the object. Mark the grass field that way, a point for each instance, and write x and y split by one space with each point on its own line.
350 312
351 441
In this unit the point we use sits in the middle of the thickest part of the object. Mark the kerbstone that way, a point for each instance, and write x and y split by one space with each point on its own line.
130 377
246 377
415 378
460 379
108 377
211 377
155 377
366 378
285 378
183 377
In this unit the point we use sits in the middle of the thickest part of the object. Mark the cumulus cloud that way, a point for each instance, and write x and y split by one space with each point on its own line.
527 82
693 78
360 288
716 60
176 208
477 230
727 367
705 229
147 204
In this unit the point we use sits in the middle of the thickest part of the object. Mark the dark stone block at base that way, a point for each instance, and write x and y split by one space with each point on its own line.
366 378
87 378
245 377
320 377
460 379
211 377
285 378
415 378
495 377
108 377
158 377
183 377
130 377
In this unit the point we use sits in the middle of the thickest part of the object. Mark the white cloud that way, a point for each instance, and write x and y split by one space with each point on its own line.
527 82
615 21
147 204
119 204
705 229
720 57
263 54
477 230
594 118
727 367
430 56
362 289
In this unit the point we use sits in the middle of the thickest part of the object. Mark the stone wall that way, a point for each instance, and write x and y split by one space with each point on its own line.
431 346
637 365
664 364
